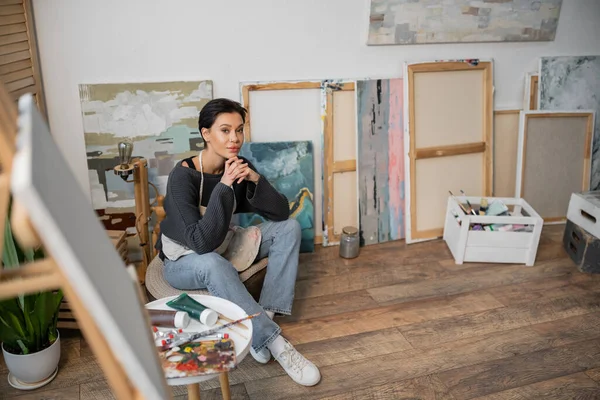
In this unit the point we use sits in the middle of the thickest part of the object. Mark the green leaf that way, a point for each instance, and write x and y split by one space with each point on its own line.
12 307
46 309
8 336
28 321
15 323
31 322
24 348
10 257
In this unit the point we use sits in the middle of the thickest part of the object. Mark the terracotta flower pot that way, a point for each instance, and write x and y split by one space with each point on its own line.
34 367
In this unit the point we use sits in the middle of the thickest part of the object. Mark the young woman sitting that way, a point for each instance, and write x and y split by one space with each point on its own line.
203 192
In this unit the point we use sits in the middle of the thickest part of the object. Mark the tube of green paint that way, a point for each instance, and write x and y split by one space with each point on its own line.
195 310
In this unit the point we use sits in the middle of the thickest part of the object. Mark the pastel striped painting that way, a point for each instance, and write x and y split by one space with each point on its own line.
380 160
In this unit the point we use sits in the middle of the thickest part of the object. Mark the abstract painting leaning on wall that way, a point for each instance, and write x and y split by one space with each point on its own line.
160 118
462 21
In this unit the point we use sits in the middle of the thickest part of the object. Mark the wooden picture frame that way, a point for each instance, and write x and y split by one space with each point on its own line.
531 97
506 138
333 167
479 143
548 174
246 89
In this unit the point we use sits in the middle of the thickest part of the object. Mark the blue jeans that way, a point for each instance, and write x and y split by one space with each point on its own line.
281 243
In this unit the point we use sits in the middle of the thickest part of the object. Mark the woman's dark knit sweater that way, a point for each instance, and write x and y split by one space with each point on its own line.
203 234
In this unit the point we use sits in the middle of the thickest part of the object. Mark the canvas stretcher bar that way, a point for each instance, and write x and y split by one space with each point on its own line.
530 101
449 141
554 159
506 135
334 168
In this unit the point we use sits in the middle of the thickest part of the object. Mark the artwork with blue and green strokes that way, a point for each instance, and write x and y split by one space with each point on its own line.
289 167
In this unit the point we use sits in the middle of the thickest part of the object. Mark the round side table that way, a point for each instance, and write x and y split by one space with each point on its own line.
241 339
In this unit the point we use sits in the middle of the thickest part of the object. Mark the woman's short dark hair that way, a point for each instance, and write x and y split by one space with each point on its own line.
213 108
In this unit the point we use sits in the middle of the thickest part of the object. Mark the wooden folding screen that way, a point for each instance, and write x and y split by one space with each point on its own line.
19 64
554 159
506 136
450 115
340 204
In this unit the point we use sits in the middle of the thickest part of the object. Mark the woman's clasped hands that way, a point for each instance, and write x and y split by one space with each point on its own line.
238 170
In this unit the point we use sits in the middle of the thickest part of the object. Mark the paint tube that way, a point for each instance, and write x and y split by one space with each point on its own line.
502 227
205 315
483 207
497 208
168 318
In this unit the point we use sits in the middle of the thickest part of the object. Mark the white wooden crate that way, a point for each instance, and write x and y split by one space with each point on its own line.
584 211
492 246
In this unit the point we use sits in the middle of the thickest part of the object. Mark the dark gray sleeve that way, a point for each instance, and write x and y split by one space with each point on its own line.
265 200
201 234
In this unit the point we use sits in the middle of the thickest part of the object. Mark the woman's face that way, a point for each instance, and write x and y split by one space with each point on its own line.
226 136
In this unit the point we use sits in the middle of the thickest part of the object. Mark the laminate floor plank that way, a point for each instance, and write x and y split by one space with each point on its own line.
571 387
473 279
386 317
502 318
367 278
408 364
72 371
594 374
331 304
522 370
66 393
423 388
405 322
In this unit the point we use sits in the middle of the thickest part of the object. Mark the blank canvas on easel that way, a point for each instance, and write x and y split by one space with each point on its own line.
66 223
553 160
450 115
380 159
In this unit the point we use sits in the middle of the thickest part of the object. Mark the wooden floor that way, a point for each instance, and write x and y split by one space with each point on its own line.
405 322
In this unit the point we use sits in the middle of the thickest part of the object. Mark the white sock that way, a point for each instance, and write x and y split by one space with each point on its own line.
270 314
277 346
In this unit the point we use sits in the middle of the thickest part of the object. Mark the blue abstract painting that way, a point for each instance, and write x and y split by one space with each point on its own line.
289 167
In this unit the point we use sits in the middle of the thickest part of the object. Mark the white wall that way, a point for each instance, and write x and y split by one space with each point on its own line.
228 41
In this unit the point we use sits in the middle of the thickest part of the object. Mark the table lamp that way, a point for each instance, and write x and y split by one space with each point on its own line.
138 167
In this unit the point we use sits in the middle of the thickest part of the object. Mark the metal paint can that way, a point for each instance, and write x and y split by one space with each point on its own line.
349 242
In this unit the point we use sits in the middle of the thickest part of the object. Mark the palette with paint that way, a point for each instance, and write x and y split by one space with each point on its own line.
199 358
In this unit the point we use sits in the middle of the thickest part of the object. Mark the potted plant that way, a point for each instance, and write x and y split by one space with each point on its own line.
30 340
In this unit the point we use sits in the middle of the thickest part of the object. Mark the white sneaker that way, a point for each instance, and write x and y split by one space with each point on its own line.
263 356
302 371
